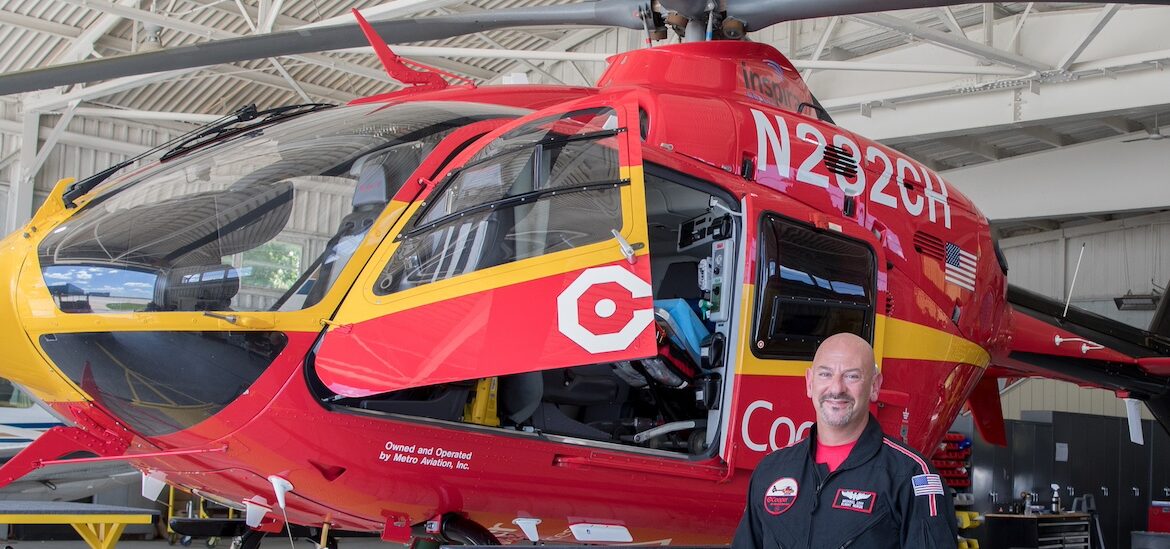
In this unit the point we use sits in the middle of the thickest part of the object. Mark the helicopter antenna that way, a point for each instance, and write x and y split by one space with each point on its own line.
394 65
710 20
1074 281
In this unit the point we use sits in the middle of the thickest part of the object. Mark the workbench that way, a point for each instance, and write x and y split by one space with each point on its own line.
99 525
1044 531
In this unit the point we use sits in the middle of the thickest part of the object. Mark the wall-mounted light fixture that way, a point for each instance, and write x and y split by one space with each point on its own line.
1137 302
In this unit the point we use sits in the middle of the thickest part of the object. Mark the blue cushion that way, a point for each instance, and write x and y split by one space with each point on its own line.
685 328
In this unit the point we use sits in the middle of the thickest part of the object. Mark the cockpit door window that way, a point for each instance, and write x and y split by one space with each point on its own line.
529 255
547 186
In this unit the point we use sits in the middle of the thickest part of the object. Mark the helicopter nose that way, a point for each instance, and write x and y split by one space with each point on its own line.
22 363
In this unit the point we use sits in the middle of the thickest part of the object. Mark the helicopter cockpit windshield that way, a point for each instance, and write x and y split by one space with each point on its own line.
263 221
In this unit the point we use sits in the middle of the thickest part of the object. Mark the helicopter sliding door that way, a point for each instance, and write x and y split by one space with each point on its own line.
529 256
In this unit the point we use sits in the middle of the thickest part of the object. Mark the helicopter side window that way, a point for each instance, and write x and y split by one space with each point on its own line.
549 186
812 285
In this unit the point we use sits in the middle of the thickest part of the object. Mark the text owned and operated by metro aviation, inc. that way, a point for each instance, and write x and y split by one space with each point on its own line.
428 456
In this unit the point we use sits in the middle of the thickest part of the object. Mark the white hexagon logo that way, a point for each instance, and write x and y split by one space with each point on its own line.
568 317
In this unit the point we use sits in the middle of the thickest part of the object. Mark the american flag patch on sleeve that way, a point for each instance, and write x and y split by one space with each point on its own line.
927 485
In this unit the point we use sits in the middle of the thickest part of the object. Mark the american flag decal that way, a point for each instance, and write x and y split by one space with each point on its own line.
927 485
960 267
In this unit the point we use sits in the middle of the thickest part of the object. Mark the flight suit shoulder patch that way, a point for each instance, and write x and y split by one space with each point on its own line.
780 496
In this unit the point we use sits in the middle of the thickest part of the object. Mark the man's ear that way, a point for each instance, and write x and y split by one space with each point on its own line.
808 375
877 386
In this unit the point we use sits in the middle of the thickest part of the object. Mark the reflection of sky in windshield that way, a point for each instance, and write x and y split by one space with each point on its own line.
834 285
793 274
116 282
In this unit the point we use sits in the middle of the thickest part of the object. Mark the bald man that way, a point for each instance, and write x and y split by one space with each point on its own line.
847 484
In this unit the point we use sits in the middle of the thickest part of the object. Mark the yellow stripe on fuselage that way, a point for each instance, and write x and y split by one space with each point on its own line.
893 339
906 340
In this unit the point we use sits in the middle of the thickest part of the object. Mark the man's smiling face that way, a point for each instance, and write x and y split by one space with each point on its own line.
842 381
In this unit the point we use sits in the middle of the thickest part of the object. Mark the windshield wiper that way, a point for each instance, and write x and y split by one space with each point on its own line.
549 140
234 124
513 200
194 139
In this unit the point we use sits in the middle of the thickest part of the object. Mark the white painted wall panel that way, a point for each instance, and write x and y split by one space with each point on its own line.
1099 176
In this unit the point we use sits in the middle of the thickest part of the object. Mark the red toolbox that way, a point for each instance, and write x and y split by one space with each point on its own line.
1159 516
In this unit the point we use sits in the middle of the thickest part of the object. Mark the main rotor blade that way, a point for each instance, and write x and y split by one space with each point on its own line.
620 13
759 14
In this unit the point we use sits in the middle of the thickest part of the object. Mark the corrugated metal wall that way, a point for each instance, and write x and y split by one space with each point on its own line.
1124 256
70 159
1129 255
9 151
1047 394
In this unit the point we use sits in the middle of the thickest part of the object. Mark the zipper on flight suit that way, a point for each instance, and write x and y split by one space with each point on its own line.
865 528
817 504
817 500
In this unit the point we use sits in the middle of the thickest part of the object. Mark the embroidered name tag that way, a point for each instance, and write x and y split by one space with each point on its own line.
854 500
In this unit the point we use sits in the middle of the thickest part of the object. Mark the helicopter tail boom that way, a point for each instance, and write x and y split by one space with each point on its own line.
1087 349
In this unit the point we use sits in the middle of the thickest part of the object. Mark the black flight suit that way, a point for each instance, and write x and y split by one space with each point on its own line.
869 501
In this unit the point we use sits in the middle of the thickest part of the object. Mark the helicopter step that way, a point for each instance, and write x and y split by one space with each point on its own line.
213 527
451 529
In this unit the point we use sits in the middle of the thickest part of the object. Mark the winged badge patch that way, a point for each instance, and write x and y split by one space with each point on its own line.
854 500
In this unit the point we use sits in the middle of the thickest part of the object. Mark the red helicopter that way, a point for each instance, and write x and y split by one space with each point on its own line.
527 313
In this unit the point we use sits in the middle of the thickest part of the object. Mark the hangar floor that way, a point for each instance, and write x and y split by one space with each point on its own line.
273 543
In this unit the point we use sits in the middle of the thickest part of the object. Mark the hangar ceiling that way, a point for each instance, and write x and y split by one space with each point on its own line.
953 87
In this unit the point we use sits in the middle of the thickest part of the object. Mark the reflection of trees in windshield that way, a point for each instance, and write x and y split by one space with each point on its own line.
272 265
